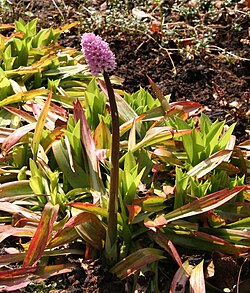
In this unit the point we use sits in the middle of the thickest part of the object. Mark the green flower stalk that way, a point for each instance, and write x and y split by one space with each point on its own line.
101 60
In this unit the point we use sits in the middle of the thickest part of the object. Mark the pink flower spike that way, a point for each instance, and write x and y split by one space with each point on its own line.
97 54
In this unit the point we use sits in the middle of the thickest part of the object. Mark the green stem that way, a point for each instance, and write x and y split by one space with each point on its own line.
114 175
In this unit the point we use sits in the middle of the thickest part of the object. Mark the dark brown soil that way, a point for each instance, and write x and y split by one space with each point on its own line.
219 81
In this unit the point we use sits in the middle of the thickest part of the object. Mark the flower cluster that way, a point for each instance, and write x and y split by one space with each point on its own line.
97 53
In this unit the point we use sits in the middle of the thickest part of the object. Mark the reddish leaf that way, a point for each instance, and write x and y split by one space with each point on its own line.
41 236
181 277
204 204
16 272
162 240
15 136
177 111
158 222
127 125
91 229
7 230
89 146
210 163
22 114
52 116
94 209
17 279
133 210
187 106
159 94
68 231
231 248
5 132
136 261
13 209
197 281
66 235
15 190
89 207
194 239
9 258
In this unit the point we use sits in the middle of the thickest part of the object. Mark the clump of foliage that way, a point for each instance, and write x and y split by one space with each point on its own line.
181 176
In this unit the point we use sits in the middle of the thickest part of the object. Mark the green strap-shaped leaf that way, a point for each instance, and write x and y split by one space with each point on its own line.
39 127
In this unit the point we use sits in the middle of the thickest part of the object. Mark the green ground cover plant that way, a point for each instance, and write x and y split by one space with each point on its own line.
180 179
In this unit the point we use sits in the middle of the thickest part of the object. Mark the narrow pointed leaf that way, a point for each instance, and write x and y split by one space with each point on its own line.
76 177
210 163
56 134
151 203
21 97
204 204
187 106
162 240
197 281
7 259
17 279
15 136
16 272
159 134
68 233
14 208
22 114
91 228
181 277
40 125
132 137
102 136
94 209
159 95
7 231
136 261
89 145
194 239
127 125
41 236
15 189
